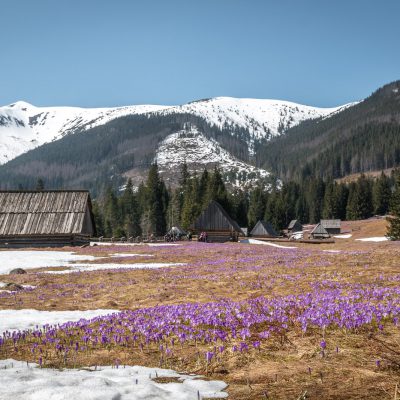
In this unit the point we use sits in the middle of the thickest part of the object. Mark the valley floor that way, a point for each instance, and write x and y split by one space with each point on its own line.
272 322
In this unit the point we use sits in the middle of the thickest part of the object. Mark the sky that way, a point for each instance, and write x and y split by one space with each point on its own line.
98 53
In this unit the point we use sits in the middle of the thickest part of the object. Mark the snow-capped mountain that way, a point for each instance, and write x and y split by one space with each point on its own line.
190 146
24 126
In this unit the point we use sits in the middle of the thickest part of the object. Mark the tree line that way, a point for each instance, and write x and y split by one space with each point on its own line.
153 208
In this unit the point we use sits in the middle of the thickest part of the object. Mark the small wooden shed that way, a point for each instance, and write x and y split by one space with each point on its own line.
218 225
45 218
263 229
332 226
295 226
319 232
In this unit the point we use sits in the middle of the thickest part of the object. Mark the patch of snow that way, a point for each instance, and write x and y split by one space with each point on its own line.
131 255
297 235
374 239
101 267
332 251
255 241
11 259
343 236
29 382
13 320
132 244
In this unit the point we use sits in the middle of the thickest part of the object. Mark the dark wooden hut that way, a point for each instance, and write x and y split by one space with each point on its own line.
332 226
319 232
263 229
45 218
218 225
295 226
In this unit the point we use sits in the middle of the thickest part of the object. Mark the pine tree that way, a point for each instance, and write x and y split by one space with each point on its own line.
112 215
382 193
257 204
130 211
216 190
156 202
393 231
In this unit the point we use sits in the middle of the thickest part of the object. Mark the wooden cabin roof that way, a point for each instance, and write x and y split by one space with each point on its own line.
293 223
330 223
215 218
43 212
320 230
263 228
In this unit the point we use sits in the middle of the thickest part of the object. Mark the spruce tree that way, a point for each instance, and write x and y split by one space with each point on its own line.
393 231
156 202
257 204
382 193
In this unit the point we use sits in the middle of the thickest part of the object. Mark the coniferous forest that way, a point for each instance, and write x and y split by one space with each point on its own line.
153 208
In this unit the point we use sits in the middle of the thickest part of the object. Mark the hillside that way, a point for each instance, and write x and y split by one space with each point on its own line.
362 138
89 148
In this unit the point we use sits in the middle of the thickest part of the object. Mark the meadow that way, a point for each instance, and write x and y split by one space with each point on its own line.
308 321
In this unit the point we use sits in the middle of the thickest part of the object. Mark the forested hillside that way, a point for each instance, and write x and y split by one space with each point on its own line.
100 156
361 138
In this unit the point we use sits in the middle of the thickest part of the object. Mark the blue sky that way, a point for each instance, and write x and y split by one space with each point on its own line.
108 53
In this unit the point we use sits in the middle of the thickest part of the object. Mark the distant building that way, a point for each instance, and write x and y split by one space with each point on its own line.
218 225
332 226
319 232
45 218
295 226
263 229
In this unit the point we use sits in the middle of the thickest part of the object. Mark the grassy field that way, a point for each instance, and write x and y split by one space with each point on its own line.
274 323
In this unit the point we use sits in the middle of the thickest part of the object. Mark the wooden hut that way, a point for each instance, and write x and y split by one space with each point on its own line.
45 218
294 226
332 226
319 232
263 229
218 225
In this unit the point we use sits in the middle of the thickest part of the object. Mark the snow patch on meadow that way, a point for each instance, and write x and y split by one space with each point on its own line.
13 320
255 241
374 239
343 236
22 381
131 255
132 244
100 267
11 259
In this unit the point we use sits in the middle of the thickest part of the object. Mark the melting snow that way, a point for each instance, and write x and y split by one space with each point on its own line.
343 236
28 382
13 320
374 239
255 241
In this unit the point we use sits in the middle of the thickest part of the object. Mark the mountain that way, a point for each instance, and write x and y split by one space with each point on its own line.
24 126
74 147
361 138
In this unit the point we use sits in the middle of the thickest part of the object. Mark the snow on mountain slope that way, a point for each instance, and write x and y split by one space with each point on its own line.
24 126
198 151
261 117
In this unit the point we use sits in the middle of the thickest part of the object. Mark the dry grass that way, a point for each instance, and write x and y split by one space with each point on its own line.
284 368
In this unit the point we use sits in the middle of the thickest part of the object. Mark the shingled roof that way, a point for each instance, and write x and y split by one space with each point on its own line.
263 228
45 212
330 223
215 218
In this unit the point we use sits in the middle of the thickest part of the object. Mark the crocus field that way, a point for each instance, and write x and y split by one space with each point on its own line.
273 323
